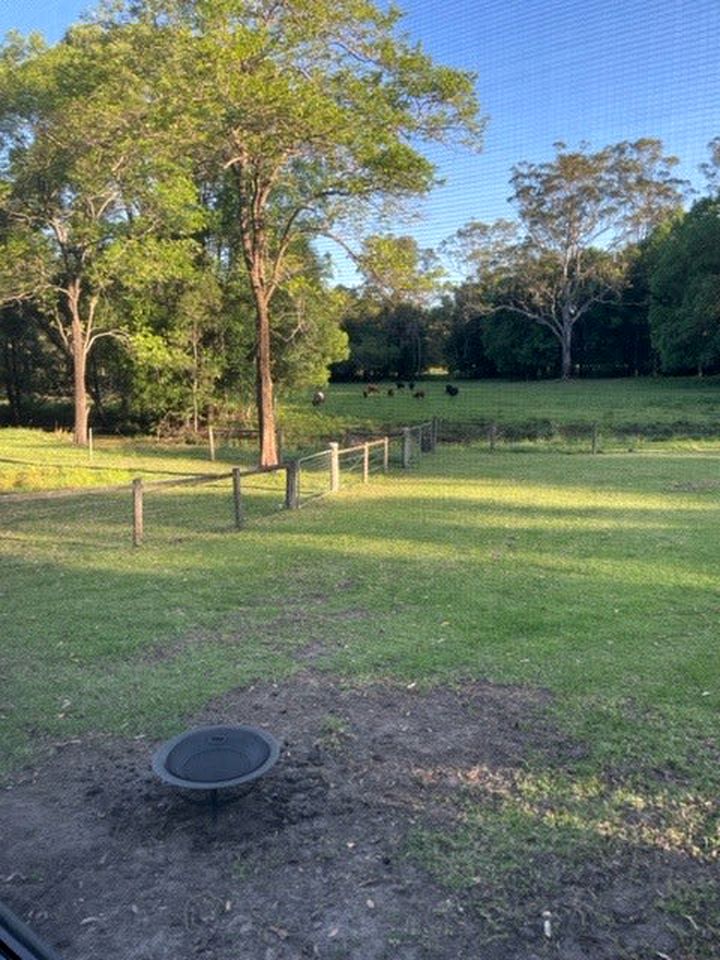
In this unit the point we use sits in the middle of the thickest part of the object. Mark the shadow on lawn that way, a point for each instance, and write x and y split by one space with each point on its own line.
404 822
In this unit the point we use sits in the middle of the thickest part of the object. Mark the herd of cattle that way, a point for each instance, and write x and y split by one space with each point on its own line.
372 388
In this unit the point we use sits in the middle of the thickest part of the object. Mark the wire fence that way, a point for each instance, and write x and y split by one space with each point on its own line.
168 510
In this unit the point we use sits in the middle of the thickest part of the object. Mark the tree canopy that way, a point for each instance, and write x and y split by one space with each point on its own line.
241 131
577 214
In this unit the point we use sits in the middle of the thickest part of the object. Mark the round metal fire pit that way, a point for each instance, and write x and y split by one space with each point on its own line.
212 758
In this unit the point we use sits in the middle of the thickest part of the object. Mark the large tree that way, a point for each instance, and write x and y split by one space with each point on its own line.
401 281
313 112
83 171
577 215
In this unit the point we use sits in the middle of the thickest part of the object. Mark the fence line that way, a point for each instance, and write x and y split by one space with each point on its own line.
307 478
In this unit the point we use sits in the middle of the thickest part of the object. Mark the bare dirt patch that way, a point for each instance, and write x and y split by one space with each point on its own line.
106 862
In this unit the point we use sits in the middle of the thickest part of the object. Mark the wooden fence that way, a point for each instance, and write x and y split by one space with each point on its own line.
308 477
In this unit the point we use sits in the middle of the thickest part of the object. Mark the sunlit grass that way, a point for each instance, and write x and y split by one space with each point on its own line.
634 403
592 576
35 460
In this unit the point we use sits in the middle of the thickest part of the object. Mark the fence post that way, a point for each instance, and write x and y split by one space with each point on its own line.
386 454
594 437
406 447
211 438
292 485
492 435
334 467
90 442
434 433
137 491
366 462
426 437
237 497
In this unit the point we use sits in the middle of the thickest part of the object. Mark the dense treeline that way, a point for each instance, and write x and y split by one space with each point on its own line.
602 275
165 172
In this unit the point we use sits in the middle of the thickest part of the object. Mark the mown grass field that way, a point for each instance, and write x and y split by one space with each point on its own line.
640 404
594 577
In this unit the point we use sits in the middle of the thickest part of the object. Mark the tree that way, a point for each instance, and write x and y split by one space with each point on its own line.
313 113
401 281
81 174
577 215
28 361
711 169
685 290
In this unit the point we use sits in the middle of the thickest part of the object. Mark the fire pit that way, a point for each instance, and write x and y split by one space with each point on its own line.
214 758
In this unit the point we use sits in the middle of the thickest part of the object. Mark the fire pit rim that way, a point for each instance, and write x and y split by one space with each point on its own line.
161 755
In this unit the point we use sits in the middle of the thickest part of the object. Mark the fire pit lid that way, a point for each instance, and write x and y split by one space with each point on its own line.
209 758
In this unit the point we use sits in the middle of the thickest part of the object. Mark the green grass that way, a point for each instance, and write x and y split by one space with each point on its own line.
594 577
661 406
33 460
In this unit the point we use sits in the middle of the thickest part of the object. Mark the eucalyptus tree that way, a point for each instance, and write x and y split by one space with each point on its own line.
578 215
314 112
711 169
83 171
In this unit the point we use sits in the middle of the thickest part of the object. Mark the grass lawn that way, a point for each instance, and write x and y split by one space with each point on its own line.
630 405
592 577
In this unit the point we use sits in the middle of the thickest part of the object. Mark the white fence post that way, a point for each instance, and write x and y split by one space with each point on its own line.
334 467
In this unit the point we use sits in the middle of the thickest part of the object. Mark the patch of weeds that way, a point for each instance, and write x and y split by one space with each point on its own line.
694 910
669 817
590 850
333 731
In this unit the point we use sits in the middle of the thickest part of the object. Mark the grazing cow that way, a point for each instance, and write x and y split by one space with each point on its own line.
451 390
419 394
400 385
391 392
318 398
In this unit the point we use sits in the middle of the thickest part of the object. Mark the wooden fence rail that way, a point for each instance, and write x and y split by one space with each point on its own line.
361 458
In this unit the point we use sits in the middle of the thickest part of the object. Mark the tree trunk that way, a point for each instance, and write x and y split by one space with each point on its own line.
265 405
79 388
13 389
566 348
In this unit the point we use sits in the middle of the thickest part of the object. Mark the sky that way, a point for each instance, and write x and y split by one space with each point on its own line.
599 71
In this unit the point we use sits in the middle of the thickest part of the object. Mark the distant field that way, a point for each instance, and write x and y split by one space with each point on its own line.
642 403
626 412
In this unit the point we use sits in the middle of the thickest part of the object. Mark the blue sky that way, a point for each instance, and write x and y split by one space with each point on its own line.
595 70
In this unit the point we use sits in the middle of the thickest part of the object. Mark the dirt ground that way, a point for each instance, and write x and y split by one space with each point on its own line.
107 863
